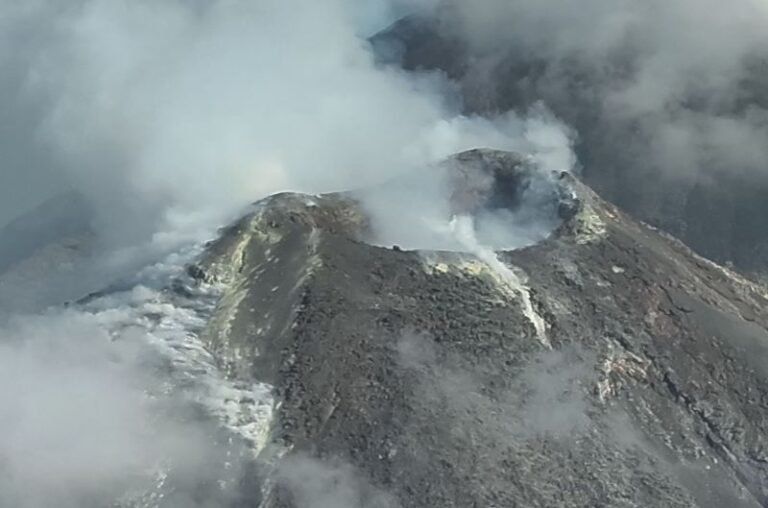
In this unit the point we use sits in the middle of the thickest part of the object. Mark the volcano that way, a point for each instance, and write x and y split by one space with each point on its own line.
614 368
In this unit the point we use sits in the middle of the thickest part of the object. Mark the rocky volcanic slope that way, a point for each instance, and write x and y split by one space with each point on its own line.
607 365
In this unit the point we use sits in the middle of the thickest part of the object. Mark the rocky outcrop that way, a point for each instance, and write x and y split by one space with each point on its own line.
607 365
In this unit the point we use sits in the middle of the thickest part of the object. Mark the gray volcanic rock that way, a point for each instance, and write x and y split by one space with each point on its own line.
607 365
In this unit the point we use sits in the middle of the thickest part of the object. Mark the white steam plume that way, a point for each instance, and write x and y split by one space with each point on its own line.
78 427
155 109
169 115
679 71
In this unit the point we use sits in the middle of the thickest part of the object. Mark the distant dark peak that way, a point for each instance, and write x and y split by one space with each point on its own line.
718 215
64 216
418 43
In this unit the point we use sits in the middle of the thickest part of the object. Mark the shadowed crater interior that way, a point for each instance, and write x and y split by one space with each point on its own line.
503 200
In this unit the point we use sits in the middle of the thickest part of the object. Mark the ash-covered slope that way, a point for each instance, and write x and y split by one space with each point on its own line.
607 365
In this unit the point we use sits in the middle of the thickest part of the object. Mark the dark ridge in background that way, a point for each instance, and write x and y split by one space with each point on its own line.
719 214
66 215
